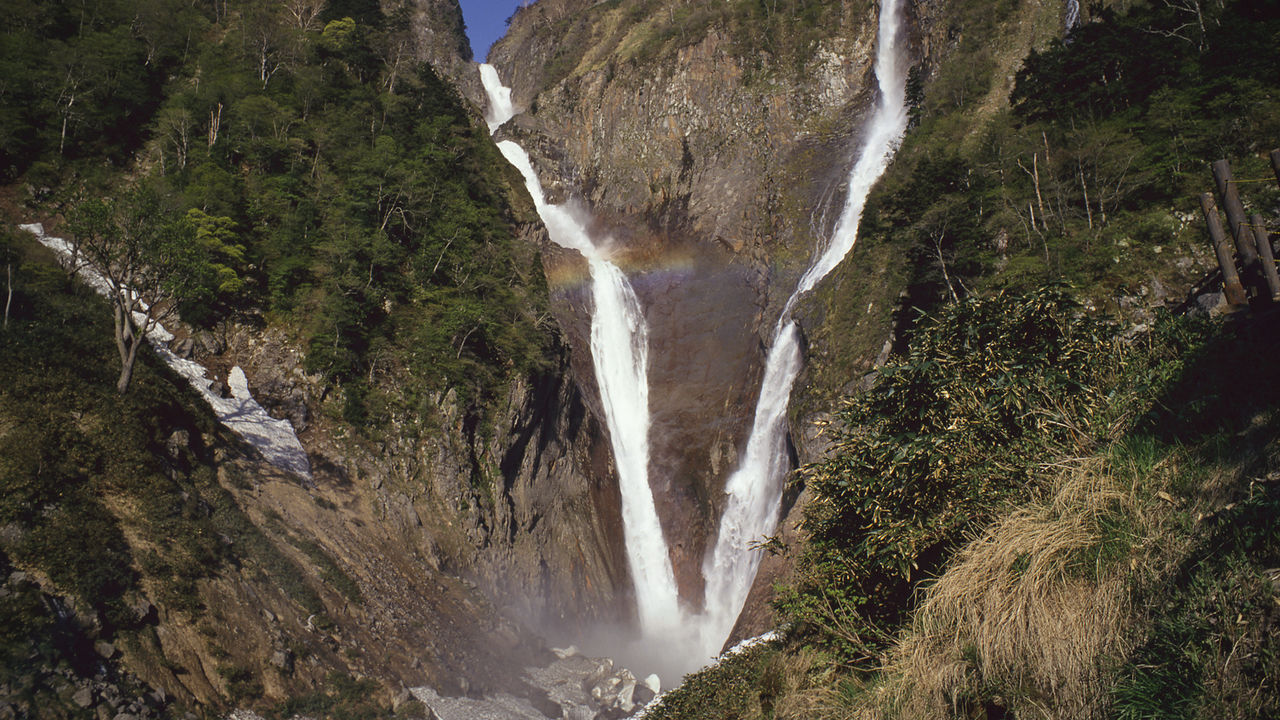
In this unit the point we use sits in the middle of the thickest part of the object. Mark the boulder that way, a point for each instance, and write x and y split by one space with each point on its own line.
183 348
210 343
105 649
83 697
282 660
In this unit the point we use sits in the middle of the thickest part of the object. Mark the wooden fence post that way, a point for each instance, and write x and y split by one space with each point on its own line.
1275 163
1246 250
1265 256
1231 286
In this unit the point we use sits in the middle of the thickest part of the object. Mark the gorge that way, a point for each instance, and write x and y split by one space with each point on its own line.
671 324
684 632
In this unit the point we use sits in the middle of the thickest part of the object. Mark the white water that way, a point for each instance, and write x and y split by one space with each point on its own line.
619 350
1073 14
755 488
620 355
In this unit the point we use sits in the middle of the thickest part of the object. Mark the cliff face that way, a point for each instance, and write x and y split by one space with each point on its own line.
710 141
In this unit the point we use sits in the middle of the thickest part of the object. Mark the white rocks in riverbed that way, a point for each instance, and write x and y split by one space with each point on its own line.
583 688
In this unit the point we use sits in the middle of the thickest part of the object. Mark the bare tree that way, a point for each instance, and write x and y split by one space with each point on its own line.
305 13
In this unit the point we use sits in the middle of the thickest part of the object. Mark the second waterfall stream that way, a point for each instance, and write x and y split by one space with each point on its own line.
619 348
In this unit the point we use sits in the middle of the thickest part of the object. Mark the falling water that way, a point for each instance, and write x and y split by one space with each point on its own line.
619 351
755 488
1073 15
620 354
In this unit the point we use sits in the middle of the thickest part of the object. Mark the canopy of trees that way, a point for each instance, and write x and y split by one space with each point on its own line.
334 181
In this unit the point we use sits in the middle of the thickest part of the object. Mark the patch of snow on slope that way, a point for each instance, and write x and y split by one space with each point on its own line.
274 438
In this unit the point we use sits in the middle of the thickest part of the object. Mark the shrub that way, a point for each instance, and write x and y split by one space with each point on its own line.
943 436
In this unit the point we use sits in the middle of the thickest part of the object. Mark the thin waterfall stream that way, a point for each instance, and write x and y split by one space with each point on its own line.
755 488
620 356
619 348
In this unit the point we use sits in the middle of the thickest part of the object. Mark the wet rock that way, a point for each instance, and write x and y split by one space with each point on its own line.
604 666
643 695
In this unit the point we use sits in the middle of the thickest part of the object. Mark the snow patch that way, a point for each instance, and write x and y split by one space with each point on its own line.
274 438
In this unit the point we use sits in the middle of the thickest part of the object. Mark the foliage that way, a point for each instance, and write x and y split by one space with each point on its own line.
1099 161
1172 489
352 190
81 79
946 434
736 687
330 181
82 468
148 264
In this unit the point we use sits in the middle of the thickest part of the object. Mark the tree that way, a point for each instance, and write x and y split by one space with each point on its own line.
143 261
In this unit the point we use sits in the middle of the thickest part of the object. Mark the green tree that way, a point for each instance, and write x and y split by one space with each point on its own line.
143 262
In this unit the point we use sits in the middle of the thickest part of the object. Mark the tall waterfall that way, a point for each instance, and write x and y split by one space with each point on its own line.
755 488
620 355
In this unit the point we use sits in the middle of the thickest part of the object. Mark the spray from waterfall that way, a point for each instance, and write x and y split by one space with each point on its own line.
620 356
755 488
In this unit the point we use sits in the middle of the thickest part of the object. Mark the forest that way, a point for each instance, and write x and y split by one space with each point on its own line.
329 179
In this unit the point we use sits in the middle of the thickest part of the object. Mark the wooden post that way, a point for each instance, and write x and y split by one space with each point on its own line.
1245 247
1275 163
1263 240
1230 279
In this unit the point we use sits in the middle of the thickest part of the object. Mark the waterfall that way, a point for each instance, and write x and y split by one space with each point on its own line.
620 356
755 489
619 352
1073 15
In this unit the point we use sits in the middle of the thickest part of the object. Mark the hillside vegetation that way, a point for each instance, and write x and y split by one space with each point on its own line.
1031 513
338 185
340 195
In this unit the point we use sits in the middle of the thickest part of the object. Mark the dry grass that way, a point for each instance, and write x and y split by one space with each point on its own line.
1022 620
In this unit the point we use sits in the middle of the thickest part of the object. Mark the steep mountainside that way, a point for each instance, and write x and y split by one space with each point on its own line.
368 261
711 140
708 140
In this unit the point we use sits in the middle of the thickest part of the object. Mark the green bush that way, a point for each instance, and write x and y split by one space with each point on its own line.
945 435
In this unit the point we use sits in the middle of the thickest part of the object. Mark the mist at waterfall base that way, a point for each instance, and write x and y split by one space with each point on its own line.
671 639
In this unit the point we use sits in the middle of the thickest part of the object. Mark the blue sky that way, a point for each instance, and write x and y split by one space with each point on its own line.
486 22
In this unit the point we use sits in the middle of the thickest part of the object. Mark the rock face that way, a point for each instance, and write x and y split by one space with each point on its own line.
518 502
437 35
712 155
